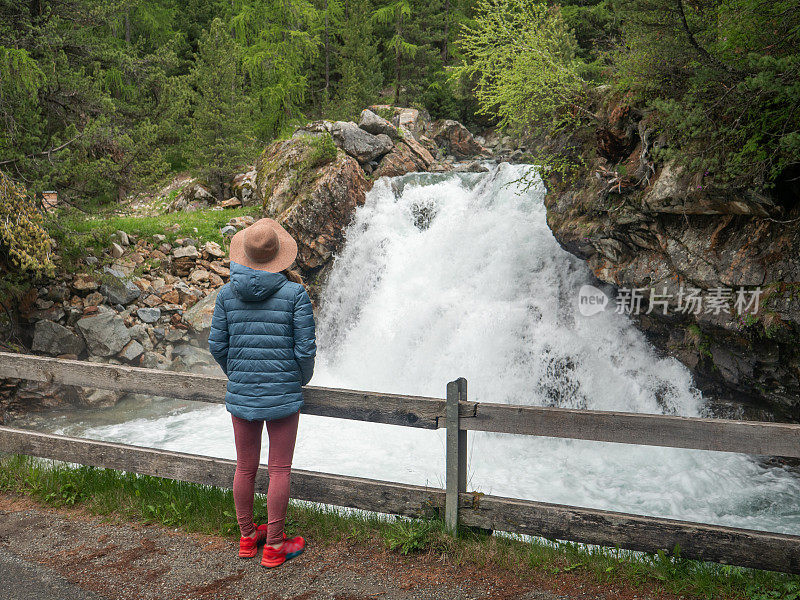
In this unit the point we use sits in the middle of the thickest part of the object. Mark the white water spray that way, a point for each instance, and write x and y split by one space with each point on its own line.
458 275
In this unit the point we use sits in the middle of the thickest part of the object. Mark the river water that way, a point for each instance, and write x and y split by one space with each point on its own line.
449 275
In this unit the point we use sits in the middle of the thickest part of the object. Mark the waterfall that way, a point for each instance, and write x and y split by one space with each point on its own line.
449 275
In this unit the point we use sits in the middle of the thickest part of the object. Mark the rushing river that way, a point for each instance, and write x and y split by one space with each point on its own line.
458 275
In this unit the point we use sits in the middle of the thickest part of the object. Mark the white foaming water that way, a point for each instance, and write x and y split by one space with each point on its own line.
458 275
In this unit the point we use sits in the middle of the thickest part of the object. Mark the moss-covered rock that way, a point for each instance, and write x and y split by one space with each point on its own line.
312 188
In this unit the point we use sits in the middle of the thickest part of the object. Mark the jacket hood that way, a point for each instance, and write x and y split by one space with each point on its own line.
252 285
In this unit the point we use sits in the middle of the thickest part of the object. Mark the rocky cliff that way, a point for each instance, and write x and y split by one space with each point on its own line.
641 223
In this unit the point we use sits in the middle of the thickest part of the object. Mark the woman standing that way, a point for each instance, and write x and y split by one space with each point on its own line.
262 335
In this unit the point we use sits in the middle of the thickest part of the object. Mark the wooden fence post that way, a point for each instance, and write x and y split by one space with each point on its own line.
456 458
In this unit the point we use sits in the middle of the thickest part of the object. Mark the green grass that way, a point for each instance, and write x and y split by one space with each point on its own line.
75 231
210 510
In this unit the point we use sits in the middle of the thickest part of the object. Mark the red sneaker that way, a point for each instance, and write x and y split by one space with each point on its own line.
290 548
248 546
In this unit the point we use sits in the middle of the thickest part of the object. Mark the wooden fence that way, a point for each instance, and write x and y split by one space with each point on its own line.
458 415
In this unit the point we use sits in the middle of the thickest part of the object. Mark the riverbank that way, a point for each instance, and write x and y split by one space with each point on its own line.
85 523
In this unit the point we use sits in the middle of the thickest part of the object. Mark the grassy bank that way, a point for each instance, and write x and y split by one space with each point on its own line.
75 232
209 510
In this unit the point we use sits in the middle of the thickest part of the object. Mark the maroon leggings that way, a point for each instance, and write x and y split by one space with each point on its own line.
247 434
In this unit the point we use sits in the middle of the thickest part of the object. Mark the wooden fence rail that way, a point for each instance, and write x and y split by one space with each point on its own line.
700 541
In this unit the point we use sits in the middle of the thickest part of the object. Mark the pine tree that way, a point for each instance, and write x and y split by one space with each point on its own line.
222 111
396 14
359 68
279 41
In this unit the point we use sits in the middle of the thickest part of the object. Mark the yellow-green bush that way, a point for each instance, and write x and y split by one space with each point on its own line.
22 234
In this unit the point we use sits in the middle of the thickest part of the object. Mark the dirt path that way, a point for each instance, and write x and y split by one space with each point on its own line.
83 557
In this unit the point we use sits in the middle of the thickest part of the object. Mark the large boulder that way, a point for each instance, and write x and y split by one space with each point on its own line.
409 121
193 197
191 358
198 317
105 333
55 339
244 186
455 139
312 190
400 161
359 144
117 289
375 124
348 136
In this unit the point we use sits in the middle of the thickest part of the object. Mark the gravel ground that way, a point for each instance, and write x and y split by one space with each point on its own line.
78 557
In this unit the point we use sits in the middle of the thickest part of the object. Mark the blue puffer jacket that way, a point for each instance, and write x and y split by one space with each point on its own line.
262 335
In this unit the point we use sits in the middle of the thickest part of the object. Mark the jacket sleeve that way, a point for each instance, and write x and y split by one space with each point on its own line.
218 337
305 347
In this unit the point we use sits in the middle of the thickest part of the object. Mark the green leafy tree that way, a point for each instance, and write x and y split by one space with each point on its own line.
520 57
222 111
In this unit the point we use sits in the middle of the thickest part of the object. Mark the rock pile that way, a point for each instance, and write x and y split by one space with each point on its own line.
151 308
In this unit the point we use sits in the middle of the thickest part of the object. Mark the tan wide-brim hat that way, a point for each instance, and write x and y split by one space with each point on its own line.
265 246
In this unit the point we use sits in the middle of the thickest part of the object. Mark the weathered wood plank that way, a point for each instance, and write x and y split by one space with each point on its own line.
456 453
747 437
325 488
393 409
727 545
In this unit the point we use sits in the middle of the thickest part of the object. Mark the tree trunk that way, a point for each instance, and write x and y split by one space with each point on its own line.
35 9
127 28
397 51
327 53
446 45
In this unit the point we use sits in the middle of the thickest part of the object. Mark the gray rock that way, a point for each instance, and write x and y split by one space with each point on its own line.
213 249
116 250
159 238
91 260
117 289
359 144
153 360
199 316
158 332
55 339
186 252
105 333
103 398
314 129
191 356
149 315
375 124
138 332
386 141
73 314
122 238
175 335
59 293
131 351
228 230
